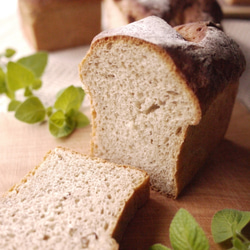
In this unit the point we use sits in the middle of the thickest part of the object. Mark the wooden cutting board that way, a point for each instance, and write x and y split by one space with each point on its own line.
224 182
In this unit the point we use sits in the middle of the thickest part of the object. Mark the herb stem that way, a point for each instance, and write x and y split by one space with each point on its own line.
242 237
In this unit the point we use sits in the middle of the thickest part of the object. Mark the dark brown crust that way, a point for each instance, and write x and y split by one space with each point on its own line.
208 71
175 12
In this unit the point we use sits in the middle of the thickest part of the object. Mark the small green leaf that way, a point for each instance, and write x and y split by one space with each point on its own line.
13 105
158 247
238 244
3 88
36 62
81 120
27 92
49 111
185 233
69 99
31 111
18 76
227 223
37 84
60 125
81 94
9 52
58 118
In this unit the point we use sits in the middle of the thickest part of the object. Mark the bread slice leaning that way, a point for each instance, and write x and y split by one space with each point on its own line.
71 201
161 97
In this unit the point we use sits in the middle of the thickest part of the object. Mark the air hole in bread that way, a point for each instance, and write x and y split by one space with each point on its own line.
152 108
109 45
178 131
46 237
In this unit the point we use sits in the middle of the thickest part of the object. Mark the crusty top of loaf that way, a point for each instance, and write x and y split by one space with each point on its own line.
205 56
175 12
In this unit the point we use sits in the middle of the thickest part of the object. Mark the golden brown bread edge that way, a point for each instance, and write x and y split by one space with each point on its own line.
211 64
136 201
174 12
217 102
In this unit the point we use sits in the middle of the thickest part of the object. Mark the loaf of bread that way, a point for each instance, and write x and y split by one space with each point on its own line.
59 24
71 201
176 12
161 97
237 2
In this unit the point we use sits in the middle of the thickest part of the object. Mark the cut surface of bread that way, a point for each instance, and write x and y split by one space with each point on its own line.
161 98
71 201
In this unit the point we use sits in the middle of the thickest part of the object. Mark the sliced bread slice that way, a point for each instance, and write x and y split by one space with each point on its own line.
71 201
161 97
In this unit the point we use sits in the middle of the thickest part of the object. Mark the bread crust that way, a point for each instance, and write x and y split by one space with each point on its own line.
204 137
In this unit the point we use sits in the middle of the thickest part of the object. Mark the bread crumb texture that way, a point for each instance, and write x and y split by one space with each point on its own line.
70 202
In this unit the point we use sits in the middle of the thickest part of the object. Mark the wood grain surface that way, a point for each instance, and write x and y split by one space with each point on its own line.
224 181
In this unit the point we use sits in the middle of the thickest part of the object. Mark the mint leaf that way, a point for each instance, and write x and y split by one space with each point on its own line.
185 233
3 88
69 99
36 62
58 118
18 76
81 94
9 52
227 223
37 84
27 92
49 111
239 245
158 247
81 120
31 111
60 125
13 105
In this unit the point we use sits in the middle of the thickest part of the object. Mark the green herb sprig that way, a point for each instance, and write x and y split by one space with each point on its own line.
25 75
227 224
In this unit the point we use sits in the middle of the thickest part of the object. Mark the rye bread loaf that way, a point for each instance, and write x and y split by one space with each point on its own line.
161 97
71 201
59 24
175 12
